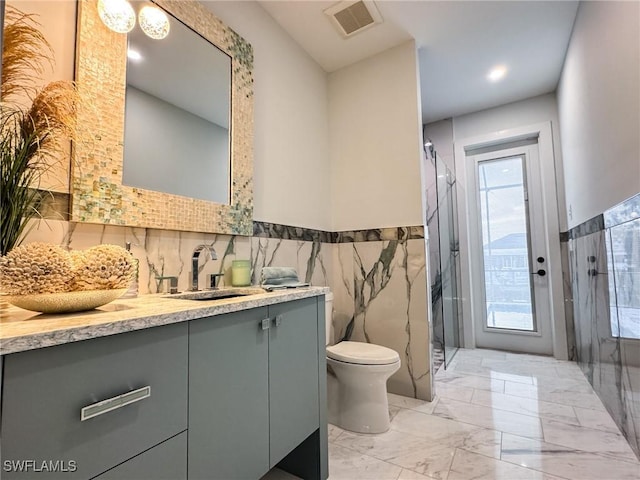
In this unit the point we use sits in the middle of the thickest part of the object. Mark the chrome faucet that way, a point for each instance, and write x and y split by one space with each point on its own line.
194 261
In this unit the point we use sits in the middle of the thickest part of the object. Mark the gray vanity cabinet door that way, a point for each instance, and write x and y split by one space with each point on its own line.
293 375
229 396
45 390
167 461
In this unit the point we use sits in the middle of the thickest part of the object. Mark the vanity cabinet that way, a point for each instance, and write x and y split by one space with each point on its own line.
221 397
254 391
45 390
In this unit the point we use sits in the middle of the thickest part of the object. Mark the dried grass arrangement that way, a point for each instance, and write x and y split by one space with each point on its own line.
32 137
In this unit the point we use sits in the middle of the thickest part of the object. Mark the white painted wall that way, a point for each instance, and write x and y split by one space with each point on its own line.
531 111
441 134
291 142
599 106
58 25
375 142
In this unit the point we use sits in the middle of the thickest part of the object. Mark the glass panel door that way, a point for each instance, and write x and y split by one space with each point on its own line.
504 223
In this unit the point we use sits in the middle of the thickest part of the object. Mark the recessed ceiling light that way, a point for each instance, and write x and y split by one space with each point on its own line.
134 55
497 73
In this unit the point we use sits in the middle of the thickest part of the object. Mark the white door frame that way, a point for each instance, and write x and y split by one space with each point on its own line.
541 131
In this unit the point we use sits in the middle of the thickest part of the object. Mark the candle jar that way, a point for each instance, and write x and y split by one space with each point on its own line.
241 273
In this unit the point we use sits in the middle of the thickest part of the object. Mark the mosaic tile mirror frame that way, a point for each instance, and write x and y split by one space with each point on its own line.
98 195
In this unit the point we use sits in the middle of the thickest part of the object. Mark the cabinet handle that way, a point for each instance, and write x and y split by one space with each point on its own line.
114 403
278 320
264 324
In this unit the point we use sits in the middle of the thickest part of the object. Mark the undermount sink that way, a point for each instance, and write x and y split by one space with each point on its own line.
218 294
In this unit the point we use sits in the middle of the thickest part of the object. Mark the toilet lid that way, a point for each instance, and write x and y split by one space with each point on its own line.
362 353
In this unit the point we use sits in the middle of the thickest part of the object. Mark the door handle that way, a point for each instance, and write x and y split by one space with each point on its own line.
264 324
542 272
278 320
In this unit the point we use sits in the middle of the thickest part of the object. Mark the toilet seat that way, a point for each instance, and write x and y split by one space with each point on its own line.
362 353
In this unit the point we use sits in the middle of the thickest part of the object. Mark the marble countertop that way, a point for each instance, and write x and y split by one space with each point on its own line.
22 330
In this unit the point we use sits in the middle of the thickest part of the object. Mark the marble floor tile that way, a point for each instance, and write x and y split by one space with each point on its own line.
471 466
514 367
490 418
570 370
428 457
347 464
471 381
448 432
446 390
555 395
526 406
587 439
565 462
596 419
405 402
393 411
334 432
568 384
399 401
483 371
515 427
477 353
411 475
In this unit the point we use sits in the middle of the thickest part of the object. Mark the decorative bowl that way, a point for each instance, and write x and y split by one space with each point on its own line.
65 302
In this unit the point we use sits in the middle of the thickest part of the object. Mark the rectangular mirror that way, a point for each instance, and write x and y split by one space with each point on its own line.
172 143
177 107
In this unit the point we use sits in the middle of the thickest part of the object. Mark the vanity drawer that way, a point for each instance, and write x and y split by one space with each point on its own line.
45 390
167 461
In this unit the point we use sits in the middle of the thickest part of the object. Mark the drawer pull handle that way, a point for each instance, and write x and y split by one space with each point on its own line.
114 403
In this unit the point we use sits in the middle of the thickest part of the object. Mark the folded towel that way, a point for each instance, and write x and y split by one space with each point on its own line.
280 277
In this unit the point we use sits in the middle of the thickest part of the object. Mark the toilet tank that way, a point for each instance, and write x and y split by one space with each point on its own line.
328 315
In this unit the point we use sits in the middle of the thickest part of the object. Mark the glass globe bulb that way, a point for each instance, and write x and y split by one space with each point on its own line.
118 15
154 22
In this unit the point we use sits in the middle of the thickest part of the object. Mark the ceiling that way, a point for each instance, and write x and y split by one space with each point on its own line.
458 43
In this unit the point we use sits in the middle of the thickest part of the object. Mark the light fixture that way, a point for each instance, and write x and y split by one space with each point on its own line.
118 15
134 55
497 73
153 22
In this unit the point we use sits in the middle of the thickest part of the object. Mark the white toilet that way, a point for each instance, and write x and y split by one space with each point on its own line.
357 375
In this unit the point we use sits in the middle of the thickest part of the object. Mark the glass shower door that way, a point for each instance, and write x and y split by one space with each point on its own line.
449 260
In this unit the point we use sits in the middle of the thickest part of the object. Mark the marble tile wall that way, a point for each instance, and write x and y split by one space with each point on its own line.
381 296
605 279
377 276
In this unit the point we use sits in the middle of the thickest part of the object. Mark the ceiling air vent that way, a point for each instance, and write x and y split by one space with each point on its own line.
351 17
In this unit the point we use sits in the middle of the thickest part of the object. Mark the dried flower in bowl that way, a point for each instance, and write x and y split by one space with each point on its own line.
103 267
36 268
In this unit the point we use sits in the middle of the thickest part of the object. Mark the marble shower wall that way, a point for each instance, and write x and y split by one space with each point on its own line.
380 297
605 276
